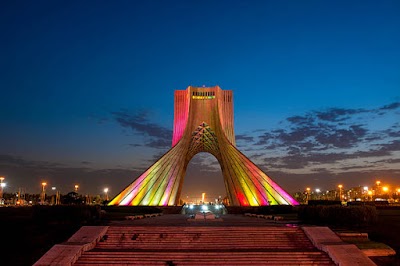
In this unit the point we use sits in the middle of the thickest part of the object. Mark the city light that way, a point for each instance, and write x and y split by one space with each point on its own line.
340 191
317 190
43 194
385 189
308 194
76 188
106 192
2 186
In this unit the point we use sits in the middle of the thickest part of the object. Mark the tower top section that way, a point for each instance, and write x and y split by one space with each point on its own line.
210 105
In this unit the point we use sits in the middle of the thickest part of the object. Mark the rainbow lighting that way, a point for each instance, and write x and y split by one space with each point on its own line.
203 122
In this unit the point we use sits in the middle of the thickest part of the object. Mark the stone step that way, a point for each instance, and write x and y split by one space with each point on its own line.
195 263
171 245
207 229
199 238
209 253
213 243
195 230
283 248
151 256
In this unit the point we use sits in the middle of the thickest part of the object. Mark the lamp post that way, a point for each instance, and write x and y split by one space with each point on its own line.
76 188
370 195
317 190
308 194
378 192
43 195
385 192
57 196
340 192
2 185
106 192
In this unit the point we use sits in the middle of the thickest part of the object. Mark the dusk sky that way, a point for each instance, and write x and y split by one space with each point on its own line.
87 89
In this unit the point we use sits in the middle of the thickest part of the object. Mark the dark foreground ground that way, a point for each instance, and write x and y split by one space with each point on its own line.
387 231
27 233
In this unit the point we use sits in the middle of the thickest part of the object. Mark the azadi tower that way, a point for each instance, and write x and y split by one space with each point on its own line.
203 122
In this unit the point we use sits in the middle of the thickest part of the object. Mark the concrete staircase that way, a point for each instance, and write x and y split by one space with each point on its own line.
204 245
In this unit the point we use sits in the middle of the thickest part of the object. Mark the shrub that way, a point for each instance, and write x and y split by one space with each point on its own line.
61 214
338 215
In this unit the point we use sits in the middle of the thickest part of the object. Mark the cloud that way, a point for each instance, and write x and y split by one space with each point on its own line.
17 161
135 145
159 136
244 137
158 143
337 114
392 106
29 174
329 136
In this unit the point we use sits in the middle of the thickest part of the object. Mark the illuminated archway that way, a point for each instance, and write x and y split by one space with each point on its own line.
203 122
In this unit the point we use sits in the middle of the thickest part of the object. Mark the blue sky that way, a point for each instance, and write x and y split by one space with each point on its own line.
87 88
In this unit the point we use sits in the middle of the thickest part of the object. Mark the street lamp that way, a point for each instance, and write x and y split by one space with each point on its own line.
377 192
370 194
57 196
2 186
340 192
317 190
43 195
76 188
308 194
106 192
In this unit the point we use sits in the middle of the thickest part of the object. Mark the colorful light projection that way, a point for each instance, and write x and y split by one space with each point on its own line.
203 122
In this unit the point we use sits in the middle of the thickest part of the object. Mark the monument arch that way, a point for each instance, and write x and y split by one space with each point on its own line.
203 122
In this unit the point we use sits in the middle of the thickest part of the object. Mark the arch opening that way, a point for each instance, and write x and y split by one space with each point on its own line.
203 175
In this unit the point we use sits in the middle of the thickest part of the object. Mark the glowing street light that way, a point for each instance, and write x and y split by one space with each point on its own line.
340 191
317 190
57 196
385 189
76 188
308 194
43 195
2 186
203 196
370 194
106 192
